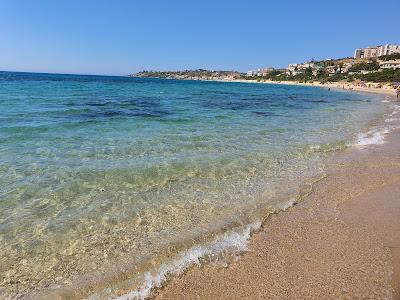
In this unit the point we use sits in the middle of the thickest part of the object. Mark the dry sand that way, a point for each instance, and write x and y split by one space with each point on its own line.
341 242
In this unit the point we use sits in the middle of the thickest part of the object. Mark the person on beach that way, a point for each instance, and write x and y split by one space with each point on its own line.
398 93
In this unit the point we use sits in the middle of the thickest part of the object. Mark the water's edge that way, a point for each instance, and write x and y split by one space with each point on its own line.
223 250
228 247
125 186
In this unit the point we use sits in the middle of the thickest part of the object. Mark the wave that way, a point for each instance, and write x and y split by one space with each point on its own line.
376 135
372 137
221 250
233 242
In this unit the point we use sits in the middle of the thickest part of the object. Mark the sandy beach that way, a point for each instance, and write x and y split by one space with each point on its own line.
367 87
340 242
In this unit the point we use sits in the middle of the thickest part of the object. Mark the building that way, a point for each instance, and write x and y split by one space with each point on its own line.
250 73
307 65
259 72
317 70
376 51
388 49
371 52
390 64
359 53
346 66
331 70
366 52
293 69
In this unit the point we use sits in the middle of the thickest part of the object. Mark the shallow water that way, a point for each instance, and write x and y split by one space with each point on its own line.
103 178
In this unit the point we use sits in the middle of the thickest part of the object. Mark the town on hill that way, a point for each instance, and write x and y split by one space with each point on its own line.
372 64
379 64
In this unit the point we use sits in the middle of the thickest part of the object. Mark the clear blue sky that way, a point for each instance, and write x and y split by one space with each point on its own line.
121 37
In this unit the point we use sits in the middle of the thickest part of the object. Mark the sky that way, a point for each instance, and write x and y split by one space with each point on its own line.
120 37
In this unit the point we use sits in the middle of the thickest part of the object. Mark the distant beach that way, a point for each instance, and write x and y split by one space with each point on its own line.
368 87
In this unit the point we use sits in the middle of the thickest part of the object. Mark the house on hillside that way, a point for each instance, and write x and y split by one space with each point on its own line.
390 64
295 69
317 69
260 72
250 73
331 70
346 66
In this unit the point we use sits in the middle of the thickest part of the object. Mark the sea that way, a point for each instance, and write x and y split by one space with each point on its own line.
111 185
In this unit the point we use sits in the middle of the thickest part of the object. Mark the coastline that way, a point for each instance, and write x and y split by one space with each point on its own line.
369 87
224 245
336 243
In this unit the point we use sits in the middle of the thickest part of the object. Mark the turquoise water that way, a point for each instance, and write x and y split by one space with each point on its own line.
103 177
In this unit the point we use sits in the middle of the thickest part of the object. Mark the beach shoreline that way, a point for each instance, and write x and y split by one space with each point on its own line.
220 244
369 87
336 243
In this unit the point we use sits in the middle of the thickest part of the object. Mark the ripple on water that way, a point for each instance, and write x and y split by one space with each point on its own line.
113 175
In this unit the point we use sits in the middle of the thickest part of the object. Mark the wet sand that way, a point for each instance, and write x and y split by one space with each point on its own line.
340 242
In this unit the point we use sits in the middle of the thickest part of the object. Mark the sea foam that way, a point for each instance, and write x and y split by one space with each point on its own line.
234 242
376 135
372 137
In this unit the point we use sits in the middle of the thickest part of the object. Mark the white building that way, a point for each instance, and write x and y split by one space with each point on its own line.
390 64
250 73
346 66
376 51
259 72
331 70
388 49
294 69
311 65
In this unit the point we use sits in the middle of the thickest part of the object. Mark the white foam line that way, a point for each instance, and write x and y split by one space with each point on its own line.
372 137
390 120
376 136
235 242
